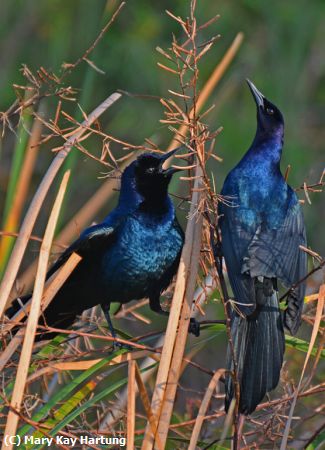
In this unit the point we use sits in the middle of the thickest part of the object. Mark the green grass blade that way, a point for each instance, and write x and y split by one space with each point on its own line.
301 345
87 404
69 388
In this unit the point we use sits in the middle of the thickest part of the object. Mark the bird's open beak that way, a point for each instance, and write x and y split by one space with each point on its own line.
168 155
258 96
170 171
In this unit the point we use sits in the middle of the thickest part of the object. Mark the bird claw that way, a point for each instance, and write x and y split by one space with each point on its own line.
194 327
120 346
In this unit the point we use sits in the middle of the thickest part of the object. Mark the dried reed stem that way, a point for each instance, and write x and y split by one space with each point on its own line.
87 364
146 402
24 361
79 221
51 288
208 88
203 408
22 188
195 233
184 289
131 406
210 85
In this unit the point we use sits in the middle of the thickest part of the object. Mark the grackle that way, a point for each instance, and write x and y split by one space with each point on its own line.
134 253
262 228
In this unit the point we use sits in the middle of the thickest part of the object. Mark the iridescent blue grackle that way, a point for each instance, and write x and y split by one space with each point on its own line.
134 253
262 228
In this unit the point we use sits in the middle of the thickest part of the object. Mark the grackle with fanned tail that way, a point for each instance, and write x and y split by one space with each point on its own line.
134 253
262 228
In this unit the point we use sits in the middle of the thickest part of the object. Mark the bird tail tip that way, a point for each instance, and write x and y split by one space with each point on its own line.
258 344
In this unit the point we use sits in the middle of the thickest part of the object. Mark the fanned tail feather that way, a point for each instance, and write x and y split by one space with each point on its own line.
258 343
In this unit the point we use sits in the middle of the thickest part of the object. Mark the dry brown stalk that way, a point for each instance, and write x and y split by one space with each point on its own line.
146 403
100 337
126 310
175 367
203 408
213 80
87 364
170 364
36 204
117 412
158 400
84 57
22 371
78 222
32 238
183 289
52 287
131 406
22 189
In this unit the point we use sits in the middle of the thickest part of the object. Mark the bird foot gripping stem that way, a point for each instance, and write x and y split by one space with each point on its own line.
120 346
116 345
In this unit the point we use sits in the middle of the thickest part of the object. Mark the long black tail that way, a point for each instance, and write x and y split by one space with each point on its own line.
16 305
258 343
61 313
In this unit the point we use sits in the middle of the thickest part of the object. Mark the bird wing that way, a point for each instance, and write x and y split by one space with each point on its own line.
92 239
261 251
276 253
235 241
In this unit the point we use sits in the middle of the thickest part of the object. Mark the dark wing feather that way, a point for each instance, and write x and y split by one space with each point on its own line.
235 241
276 254
92 239
272 253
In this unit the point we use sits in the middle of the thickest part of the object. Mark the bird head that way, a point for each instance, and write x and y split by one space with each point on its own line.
269 117
151 178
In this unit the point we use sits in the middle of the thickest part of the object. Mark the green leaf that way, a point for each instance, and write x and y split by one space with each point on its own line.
301 345
64 410
52 348
87 404
68 389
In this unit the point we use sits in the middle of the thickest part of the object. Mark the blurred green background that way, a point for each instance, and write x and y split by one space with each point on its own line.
281 53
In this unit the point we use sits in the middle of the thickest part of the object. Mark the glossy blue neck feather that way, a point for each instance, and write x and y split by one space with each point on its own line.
266 148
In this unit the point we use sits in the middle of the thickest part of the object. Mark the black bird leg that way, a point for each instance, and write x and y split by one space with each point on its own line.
194 326
105 308
116 345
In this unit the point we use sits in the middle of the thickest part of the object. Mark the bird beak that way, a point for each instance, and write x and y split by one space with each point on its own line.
258 96
170 172
164 157
168 155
